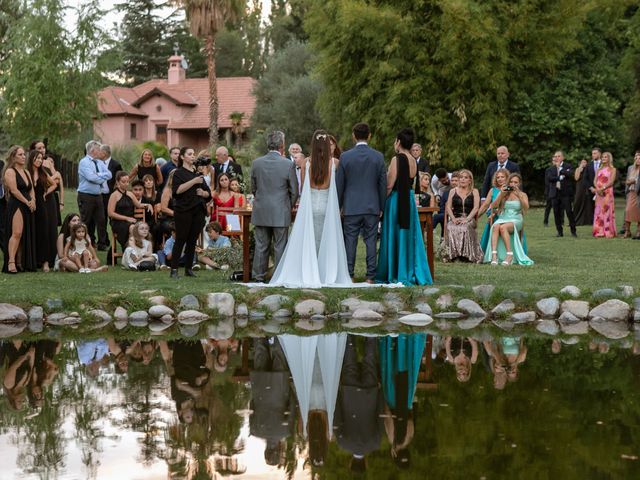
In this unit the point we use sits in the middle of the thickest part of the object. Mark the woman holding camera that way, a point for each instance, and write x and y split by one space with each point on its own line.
190 193
506 244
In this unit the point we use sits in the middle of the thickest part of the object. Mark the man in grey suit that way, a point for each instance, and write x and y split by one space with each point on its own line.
275 189
361 182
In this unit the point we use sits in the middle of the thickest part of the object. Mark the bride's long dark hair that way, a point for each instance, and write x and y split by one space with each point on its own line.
320 157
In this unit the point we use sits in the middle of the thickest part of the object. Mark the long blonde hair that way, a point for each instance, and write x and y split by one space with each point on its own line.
10 159
423 175
500 171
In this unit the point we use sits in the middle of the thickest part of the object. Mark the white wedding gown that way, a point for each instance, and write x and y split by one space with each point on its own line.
315 255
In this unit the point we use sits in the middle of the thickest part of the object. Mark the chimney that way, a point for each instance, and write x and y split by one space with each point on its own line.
177 74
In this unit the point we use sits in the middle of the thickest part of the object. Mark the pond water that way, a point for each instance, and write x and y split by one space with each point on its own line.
324 406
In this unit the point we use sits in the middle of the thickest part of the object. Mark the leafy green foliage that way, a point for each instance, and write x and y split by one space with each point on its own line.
49 80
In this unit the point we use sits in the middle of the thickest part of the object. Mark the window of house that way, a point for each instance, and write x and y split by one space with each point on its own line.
133 130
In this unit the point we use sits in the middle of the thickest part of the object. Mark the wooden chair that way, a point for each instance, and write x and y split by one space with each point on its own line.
140 215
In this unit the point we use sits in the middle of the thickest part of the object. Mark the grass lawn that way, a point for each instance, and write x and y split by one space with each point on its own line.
586 262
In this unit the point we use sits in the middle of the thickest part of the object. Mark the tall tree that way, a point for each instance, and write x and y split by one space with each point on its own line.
206 19
49 80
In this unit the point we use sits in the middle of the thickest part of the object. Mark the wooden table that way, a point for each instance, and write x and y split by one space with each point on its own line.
426 223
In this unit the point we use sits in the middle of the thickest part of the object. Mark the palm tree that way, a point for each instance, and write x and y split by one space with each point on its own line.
206 18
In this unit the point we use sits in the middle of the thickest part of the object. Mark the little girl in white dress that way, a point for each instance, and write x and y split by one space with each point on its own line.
140 248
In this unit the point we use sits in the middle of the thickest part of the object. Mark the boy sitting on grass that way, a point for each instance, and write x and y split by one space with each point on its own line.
164 255
213 240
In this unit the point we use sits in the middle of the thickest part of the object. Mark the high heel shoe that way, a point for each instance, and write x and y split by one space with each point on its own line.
505 262
14 271
494 257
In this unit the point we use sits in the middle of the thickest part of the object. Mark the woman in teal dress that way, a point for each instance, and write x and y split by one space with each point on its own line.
402 257
506 244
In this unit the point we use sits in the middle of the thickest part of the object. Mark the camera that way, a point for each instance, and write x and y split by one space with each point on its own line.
508 189
202 161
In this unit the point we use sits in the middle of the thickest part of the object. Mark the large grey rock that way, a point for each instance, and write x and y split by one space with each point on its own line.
366 314
353 304
578 308
571 290
613 310
192 317
282 313
120 314
223 303
168 319
257 315
222 331
610 329
8 330
416 319
548 307
393 301
36 326
158 311
190 302
449 315
242 310
444 301
62 319
506 325
504 307
549 327
471 307
120 324
158 300
568 318
580 327
274 302
362 323
430 291
11 313
603 293
307 308
139 319
155 326
99 315
523 317
483 291
36 313
310 325
470 323
424 307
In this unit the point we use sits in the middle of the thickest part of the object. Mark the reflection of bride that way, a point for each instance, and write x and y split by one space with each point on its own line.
315 255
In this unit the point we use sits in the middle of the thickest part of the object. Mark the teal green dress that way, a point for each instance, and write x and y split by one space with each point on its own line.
402 257
485 242
512 214
399 366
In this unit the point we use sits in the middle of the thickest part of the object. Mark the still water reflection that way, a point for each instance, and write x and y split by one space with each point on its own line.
329 406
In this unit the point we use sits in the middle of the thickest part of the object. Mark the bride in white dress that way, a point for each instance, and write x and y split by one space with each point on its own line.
315 255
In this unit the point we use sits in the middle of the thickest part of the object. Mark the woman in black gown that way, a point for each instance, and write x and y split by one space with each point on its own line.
46 214
121 209
20 233
146 166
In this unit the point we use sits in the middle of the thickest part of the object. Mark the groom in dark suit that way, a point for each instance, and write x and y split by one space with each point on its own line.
361 182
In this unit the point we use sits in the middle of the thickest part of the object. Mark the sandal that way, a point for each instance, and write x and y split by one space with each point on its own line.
14 271
494 257
505 262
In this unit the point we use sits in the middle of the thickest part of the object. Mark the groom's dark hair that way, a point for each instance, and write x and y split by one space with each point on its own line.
361 131
405 136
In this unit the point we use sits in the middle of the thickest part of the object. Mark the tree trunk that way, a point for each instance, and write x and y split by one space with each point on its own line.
210 47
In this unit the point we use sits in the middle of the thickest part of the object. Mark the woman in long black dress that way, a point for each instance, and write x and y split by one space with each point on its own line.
46 214
146 166
21 243
583 203
121 209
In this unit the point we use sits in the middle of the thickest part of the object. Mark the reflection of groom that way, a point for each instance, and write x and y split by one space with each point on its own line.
361 182
275 187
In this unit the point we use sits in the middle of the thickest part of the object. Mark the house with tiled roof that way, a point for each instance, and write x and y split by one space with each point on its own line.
173 111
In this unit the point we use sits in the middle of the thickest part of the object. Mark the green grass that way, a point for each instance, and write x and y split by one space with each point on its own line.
586 262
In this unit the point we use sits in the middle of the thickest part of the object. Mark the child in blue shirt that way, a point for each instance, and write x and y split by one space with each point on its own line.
213 239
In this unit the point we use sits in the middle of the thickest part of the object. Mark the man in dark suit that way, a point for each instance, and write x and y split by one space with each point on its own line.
225 164
590 176
275 188
361 182
360 404
559 180
423 165
502 156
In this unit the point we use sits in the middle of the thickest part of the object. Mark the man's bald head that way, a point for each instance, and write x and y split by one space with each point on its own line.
222 154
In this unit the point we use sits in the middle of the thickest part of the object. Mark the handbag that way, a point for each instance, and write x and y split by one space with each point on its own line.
147 266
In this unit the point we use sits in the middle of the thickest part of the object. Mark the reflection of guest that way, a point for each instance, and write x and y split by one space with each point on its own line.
360 403
45 369
19 357
400 359
186 365
462 352
95 353
504 357
272 402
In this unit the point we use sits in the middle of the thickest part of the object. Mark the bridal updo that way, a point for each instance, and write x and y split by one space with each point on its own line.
320 157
